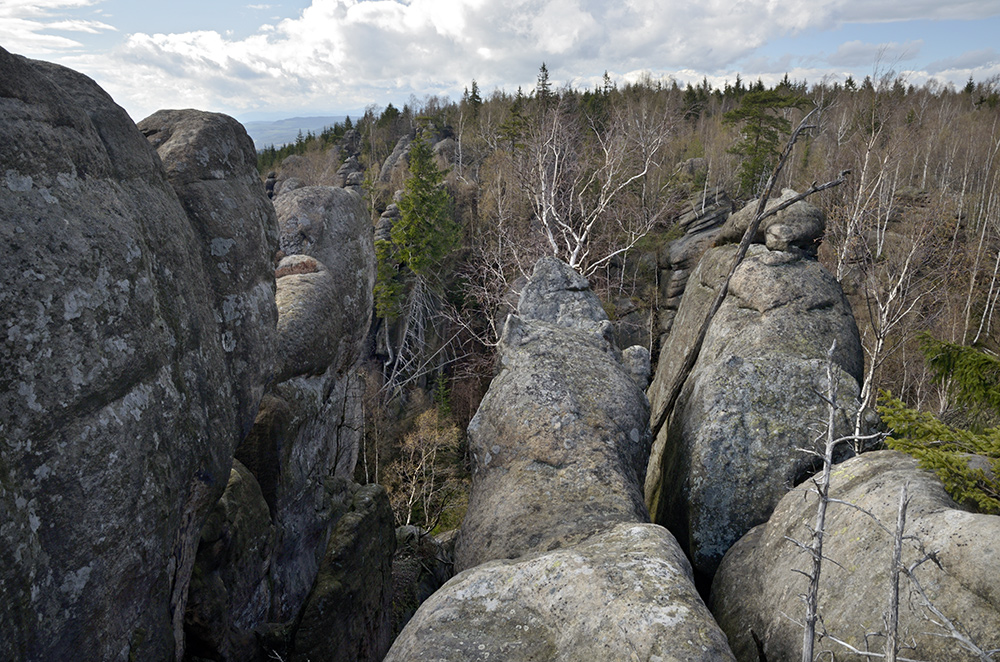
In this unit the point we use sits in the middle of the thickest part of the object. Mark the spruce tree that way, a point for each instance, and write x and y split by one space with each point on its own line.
423 236
973 378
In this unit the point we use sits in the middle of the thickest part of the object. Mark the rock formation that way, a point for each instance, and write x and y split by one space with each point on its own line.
562 417
125 378
758 589
731 448
147 343
309 424
555 532
700 220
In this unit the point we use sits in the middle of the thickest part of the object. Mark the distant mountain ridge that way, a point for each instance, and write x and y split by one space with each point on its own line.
282 132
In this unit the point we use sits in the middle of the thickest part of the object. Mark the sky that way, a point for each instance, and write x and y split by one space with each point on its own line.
269 60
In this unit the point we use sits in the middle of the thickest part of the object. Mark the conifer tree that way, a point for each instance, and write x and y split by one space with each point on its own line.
422 237
762 133
543 89
974 379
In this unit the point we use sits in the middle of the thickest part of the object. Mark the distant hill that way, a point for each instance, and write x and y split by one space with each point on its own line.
282 132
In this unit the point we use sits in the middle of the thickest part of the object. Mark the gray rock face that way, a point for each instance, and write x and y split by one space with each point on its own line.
800 227
624 594
701 221
230 593
212 165
757 588
323 314
396 160
117 389
564 417
309 424
560 562
730 450
347 616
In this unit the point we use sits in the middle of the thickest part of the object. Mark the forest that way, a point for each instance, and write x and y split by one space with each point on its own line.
598 178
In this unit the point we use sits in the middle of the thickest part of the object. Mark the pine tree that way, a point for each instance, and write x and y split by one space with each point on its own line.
762 131
425 232
974 379
543 89
423 236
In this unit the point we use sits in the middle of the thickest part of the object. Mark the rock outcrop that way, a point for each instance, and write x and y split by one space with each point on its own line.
625 594
309 424
124 379
797 229
757 589
212 165
701 220
555 532
562 417
347 616
731 448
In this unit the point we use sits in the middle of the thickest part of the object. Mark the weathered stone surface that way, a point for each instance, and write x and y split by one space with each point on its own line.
559 443
757 589
309 424
420 566
701 220
318 421
230 593
731 448
625 594
323 315
800 227
116 390
212 165
396 160
347 616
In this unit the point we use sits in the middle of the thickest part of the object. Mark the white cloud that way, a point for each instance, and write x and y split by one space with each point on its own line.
970 60
26 25
857 53
344 54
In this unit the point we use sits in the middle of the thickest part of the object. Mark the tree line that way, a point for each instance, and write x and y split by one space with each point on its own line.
593 176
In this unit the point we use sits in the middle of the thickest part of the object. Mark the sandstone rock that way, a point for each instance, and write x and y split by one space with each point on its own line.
701 220
800 227
559 442
309 424
396 160
230 593
312 427
731 448
287 185
349 167
347 616
117 397
212 165
624 594
757 589
323 316
444 152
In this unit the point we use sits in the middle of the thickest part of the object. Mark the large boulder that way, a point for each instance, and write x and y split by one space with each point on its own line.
733 444
560 441
347 616
797 228
212 165
309 424
119 376
560 561
757 588
625 594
